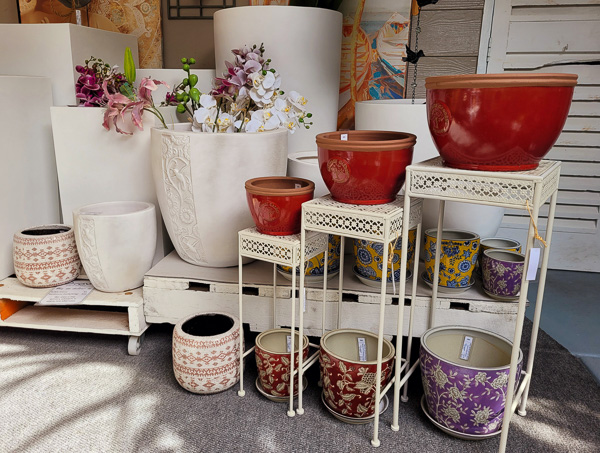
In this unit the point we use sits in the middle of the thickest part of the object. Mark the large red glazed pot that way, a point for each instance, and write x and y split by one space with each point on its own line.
497 122
367 168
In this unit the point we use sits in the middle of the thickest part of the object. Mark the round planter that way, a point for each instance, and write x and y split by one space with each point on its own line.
497 122
276 203
273 360
489 243
319 47
502 271
305 165
465 388
316 266
116 242
206 352
348 382
46 256
367 168
457 257
199 179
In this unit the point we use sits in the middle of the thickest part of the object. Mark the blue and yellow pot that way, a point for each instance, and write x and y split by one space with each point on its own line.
315 265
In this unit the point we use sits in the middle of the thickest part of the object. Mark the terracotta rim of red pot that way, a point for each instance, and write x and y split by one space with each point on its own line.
279 186
368 141
500 80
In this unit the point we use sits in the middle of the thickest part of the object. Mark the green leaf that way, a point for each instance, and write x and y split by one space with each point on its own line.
127 90
129 66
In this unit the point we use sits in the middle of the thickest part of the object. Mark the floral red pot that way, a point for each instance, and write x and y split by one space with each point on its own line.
348 380
367 167
276 203
273 360
497 122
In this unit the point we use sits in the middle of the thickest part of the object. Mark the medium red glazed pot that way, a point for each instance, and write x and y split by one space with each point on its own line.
367 168
497 122
276 203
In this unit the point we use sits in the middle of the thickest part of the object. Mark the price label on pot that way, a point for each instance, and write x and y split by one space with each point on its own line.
289 343
344 137
466 348
70 294
362 350
534 260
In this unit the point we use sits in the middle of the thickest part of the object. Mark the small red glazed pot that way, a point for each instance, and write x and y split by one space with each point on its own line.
276 203
497 122
367 168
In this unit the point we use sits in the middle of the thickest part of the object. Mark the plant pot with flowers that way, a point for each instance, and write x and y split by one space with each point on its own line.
239 131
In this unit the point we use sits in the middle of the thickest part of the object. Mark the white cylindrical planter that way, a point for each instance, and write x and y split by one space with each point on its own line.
304 45
305 164
199 179
116 242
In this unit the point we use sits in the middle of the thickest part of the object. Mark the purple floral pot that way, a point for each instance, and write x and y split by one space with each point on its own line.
502 271
465 377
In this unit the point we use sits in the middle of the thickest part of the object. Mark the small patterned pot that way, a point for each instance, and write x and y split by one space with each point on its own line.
273 360
46 256
457 258
502 272
206 352
465 387
369 255
315 266
497 244
348 383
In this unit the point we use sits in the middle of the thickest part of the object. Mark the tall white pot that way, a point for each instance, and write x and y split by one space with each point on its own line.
199 179
304 45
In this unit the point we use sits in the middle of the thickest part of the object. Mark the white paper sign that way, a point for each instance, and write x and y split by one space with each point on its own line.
344 137
70 294
466 348
362 350
289 343
534 260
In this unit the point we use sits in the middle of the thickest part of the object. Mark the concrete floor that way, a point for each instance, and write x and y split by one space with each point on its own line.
571 313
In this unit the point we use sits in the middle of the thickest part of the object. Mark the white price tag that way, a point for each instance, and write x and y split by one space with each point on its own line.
534 260
297 186
344 137
70 294
466 348
362 350
78 16
289 343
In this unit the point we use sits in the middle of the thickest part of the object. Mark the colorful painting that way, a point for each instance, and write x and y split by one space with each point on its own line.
141 18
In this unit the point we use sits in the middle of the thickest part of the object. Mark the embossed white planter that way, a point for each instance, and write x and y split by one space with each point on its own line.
199 180
116 242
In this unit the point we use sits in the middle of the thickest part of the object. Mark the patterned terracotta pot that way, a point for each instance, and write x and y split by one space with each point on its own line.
315 267
348 381
502 271
273 360
46 256
457 258
465 377
206 352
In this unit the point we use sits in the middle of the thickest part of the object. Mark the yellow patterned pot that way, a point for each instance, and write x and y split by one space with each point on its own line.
369 255
315 265
457 258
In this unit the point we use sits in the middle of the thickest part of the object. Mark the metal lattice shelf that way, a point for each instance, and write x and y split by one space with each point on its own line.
196 9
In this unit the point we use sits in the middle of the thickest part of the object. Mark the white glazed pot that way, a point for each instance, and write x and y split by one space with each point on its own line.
304 45
46 256
206 352
199 179
305 165
116 242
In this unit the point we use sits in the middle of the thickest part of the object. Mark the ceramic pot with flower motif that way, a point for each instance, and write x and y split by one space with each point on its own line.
464 372
502 271
348 370
511 245
316 266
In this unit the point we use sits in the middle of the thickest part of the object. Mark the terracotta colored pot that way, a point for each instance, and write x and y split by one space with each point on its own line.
457 257
465 387
502 271
273 360
367 168
348 382
276 203
497 122
46 256
206 352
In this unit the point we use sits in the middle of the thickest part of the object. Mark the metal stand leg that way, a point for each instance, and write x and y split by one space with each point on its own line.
436 271
341 284
241 391
274 296
291 411
302 301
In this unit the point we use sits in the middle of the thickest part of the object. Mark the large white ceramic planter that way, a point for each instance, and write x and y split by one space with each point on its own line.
199 180
95 165
305 165
116 243
305 46
480 219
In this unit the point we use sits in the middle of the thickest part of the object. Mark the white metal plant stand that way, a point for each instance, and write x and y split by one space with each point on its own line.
283 250
379 223
526 190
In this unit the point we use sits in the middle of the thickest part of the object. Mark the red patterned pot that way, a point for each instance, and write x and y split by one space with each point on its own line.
276 203
497 122
46 256
367 168
206 352
273 360
348 381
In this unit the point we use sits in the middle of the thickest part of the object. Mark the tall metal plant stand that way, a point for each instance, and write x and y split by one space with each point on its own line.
384 223
283 250
525 190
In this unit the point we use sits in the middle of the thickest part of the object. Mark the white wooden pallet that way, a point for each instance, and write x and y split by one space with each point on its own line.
72 319
174 289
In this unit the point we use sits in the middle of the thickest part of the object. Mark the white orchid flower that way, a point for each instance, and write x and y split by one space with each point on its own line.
204 119
207 101
264 87
225 122
297 100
